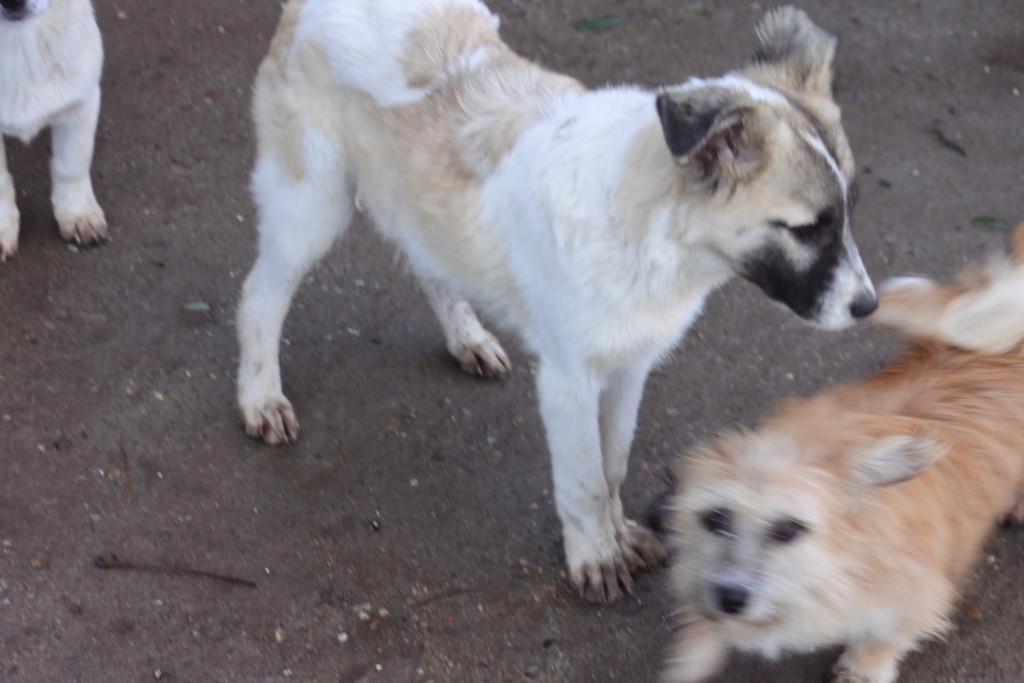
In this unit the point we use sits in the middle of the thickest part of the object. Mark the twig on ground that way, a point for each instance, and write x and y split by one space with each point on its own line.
111 561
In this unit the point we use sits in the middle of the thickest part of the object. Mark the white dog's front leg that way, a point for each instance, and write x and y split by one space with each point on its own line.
9 219
569 406
79 215
620 403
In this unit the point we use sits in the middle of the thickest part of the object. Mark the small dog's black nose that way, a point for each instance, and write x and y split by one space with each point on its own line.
731 599
863 306
13 5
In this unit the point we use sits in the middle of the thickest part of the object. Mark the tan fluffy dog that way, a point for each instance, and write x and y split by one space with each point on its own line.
851 518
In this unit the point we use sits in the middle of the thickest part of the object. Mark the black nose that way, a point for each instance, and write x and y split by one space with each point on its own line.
863 306
731 599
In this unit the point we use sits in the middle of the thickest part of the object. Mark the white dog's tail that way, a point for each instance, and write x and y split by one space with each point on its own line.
396 50
983 312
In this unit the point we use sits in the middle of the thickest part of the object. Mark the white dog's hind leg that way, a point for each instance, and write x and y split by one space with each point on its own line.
79 215
620 403
569 402
477 350
299 221
8 210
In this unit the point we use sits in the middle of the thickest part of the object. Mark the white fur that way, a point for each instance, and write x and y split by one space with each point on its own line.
50 65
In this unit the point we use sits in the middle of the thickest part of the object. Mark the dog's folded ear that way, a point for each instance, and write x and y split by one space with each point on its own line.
720 141
798 51
897 449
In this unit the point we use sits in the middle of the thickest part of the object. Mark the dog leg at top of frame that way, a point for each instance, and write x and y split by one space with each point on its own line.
79 215
620 403
478 351
299 221
9 217
869 661
569 403
698 654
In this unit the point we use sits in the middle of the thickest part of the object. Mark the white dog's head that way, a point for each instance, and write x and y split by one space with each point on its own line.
18 10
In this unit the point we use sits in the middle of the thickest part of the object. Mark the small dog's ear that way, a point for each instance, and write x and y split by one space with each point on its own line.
718 141
797 50
904 449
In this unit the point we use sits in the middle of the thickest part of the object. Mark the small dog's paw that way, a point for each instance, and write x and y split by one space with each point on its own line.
697 656
641 550
274 421
603 583
840 674
482 356
87 227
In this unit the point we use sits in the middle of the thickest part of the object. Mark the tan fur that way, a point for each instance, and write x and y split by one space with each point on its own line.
879 566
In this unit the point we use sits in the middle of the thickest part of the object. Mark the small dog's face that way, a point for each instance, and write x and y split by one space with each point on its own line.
747 534
767 150
766 525
18 10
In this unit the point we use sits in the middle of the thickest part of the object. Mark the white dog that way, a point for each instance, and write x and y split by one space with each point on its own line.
51 57
592 223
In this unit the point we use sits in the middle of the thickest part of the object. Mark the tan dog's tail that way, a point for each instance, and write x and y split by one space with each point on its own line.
983 312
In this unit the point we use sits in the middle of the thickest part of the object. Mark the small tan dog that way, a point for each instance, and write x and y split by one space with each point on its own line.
851 518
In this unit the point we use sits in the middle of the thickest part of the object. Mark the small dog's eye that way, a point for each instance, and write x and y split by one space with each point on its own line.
786 530
717 521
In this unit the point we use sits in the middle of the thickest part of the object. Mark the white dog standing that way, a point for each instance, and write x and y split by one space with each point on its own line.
592 223
51 59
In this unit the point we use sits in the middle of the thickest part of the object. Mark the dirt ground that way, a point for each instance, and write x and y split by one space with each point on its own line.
410 535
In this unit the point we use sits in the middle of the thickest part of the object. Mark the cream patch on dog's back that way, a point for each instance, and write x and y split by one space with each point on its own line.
374 56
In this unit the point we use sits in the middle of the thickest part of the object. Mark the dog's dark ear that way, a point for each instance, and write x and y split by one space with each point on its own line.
797 50
902 448
717 140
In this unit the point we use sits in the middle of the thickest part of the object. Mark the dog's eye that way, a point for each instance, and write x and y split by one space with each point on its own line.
786 530
717 521
802 233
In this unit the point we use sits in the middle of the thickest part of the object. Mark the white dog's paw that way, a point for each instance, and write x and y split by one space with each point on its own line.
85 226
8 235
481 355
602 583
640 548
272 420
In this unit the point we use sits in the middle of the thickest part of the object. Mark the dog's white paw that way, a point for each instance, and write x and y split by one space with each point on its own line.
481 355
272 420
85 226
640 548
606 581
602 583
8 235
